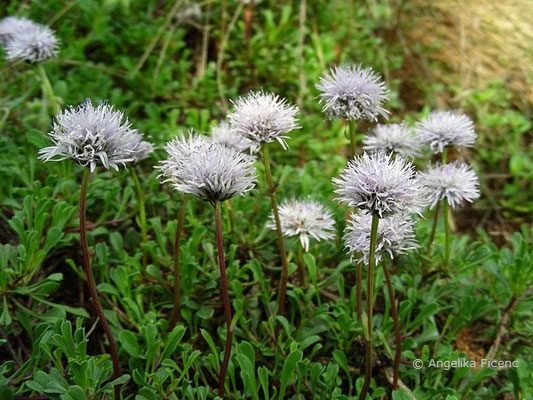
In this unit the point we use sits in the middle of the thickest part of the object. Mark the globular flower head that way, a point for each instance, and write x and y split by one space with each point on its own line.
211 171
263 118
395 235
397 138
9 26
306 219
143 150
455 182
35 43
93 136
352 92
441 129
223 133
190 12
179 150
379 183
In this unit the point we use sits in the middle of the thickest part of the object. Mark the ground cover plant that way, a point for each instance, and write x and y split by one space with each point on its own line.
250 200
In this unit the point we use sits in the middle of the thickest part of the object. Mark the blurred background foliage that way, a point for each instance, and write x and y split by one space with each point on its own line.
175 65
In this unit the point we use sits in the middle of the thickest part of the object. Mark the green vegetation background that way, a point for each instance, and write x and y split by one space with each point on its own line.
195 67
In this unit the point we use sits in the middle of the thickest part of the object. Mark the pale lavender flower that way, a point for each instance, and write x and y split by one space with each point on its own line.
35 43
190 12
143 150
306 219
12 25
263 118
92 136
455 182
395 235
380 183
214 172
352 92
441 129
398 138
223 133
179 150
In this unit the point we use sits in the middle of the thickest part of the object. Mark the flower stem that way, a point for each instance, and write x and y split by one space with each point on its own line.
433 229
90 280
225 298
281 243
369 305
397 334
358 288
300 264
231 216
177 239
142 203
445 155
353 140
447 238
47 88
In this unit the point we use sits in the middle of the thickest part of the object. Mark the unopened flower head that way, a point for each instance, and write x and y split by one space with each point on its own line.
93 136
9 26
397 138
306 219
223 133
352 92
36 43
442 129
395 235
263 118
379 183
455 182
215 172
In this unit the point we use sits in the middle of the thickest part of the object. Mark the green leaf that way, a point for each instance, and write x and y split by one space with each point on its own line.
287 372
129 343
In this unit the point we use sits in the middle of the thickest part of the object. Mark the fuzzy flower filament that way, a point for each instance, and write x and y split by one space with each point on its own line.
223 133
397 138
352 92
32 43
395 235
379 183
263 118
306 219
10 26
456 183
93 136
442 129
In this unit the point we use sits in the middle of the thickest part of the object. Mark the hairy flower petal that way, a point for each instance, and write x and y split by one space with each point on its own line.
441 129
304 218
263 118
455 182
395 235
380 183
398 138
352 92
93 136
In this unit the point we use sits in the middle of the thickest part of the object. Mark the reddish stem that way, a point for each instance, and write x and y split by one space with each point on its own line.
225 298
90 281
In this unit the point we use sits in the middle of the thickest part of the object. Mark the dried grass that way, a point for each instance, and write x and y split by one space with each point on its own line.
474 41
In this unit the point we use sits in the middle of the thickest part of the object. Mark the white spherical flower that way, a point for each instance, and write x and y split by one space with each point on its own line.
395 235
12 25
263 118
223 133
179 149
214 172
379 183
188 13
455 182
352 92
93 136
398 138
305 218
441 129
35 44
143 150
